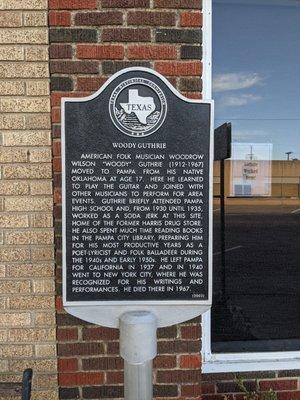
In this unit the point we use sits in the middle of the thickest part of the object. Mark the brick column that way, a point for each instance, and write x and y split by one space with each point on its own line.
27 320
90 40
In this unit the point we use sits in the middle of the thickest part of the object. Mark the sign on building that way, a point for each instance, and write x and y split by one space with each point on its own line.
251 169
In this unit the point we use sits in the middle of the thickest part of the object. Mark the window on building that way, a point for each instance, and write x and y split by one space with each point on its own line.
256 86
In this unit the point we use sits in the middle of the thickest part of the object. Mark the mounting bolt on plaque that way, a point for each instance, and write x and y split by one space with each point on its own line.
138 347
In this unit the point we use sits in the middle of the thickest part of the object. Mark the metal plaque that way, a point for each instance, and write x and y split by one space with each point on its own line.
137 182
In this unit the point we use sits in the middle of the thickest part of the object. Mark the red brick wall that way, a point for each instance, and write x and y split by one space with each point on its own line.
286 384
90 40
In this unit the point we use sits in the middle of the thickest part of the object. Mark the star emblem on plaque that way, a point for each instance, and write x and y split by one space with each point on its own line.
138 107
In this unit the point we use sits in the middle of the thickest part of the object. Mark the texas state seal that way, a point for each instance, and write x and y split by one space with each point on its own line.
138 107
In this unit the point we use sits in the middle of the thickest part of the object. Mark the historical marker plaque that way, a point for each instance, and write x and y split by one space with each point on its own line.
136 191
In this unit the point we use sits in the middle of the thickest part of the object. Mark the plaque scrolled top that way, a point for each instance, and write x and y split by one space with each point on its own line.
137 201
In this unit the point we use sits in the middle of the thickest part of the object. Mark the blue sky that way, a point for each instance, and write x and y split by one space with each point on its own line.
256 70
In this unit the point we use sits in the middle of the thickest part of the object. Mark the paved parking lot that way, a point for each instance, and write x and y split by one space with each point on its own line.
262 292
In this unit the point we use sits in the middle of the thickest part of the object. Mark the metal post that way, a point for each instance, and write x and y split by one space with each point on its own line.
138 347
26 386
